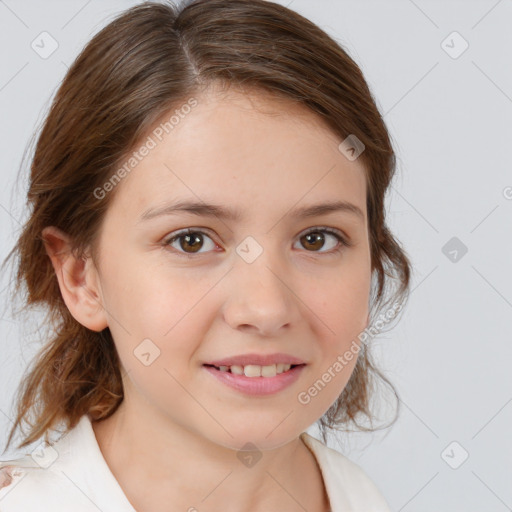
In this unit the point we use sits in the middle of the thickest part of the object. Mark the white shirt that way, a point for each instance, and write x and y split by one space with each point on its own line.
72 475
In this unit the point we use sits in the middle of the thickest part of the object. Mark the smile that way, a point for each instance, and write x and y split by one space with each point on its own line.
256 380
255 370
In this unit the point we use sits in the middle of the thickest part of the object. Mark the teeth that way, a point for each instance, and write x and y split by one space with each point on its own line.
238 370
254 370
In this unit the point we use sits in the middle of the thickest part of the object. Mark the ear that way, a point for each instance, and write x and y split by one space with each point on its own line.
78 280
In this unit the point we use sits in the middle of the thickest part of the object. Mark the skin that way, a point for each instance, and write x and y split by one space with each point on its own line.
173 441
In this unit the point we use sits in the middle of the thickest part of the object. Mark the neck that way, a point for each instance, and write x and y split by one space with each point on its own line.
158 463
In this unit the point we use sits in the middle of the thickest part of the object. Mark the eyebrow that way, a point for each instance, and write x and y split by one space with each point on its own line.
221 212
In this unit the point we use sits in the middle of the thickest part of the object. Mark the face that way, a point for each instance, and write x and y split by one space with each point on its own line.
268 280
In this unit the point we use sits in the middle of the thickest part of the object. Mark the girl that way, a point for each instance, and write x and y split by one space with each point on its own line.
208 234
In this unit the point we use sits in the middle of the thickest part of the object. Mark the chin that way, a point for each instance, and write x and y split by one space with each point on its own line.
256 435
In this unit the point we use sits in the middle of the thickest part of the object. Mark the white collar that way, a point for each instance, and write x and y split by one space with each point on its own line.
348 488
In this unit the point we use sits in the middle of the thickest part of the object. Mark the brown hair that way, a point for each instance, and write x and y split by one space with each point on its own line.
147 61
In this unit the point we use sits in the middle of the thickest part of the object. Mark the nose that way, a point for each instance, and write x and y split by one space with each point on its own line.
260 297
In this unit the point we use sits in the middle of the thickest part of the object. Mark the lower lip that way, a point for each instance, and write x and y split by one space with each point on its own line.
257 386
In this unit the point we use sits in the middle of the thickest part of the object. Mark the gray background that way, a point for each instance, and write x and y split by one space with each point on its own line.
450 116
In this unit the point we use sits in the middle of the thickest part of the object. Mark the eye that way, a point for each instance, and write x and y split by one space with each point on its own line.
315 238
190 242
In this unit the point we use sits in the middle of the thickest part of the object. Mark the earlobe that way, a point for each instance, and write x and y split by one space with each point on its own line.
78 280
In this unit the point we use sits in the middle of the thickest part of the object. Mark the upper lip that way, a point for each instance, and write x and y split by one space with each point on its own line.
257 359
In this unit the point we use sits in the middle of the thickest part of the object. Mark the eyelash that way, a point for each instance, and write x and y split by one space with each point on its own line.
343 241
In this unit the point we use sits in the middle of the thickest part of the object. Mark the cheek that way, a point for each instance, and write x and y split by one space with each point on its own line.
158 312
342 306
345 312
148 297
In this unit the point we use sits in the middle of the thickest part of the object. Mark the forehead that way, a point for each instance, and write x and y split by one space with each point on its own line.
254 153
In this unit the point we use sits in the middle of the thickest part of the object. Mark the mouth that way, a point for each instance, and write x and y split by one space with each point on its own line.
254 370
255 380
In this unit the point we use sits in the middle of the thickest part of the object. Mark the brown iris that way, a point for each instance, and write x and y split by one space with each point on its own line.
192 240
314 238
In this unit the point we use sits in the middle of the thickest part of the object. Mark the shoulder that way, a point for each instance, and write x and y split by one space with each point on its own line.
68 474
11 471
26 484
41 480
21 481
348 486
